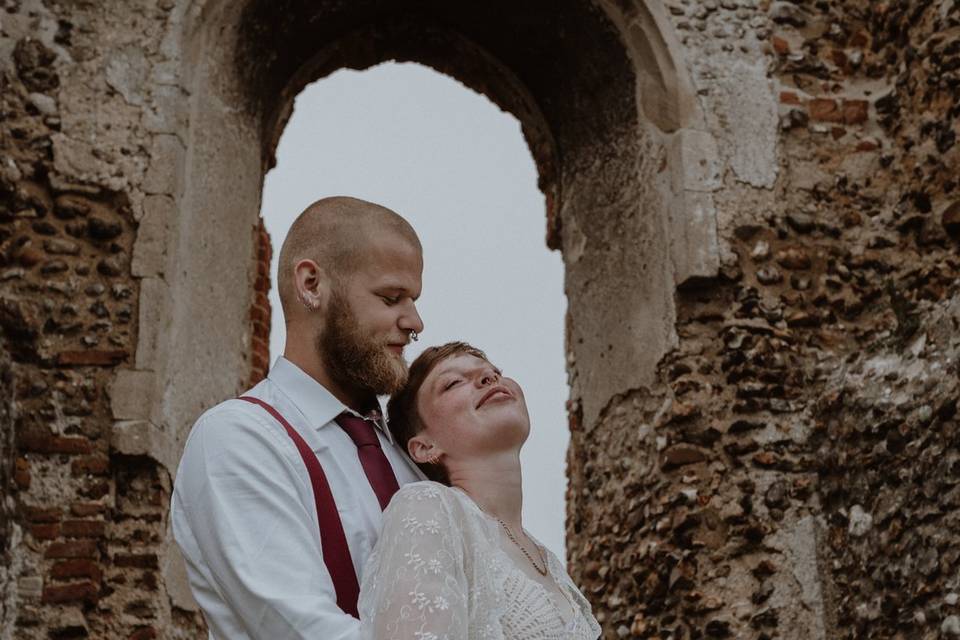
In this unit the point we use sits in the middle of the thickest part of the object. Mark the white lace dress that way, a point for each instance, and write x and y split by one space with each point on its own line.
439 572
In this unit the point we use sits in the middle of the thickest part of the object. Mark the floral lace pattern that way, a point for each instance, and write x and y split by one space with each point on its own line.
439 573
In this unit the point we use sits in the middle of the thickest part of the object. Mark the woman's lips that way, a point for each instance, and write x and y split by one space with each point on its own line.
499 389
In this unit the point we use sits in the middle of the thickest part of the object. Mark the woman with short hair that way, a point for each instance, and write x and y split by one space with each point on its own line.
454 561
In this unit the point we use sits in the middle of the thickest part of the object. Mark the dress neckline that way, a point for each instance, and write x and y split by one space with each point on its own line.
574 609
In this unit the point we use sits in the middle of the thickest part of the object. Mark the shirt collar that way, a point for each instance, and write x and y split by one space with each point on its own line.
314 401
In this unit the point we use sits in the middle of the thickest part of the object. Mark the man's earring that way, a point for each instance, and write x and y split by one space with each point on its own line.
306 305
434 460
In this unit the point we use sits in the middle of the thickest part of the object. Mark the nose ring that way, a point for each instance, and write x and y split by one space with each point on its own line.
413 336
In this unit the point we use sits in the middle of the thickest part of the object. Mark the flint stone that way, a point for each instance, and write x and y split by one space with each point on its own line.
801 222
769 275
787 13
761 251
44 103
68 207
793 258
61 247
951 626
860 521
951 220
101 229
682 454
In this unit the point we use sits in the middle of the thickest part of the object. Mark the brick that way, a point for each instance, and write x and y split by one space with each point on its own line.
859 40
66 569
259 314
21 474
42 514
34 441
73 549
83 528
45 531
75 592
137 560
143 633
86 509
789 97
855 111
825 110
97 465
91 358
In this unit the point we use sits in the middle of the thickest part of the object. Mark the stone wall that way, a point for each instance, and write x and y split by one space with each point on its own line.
793 473
85 548
757 206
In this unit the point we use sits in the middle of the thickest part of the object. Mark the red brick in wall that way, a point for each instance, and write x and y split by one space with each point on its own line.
260 310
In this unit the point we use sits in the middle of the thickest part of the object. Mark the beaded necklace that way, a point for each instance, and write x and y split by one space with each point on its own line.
542 572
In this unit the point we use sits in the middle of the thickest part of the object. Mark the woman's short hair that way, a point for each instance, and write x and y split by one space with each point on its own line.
402 414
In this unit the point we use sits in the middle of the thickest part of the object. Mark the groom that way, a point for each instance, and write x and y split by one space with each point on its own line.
279 494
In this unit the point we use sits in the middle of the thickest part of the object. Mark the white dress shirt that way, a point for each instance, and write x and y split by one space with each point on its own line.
243 511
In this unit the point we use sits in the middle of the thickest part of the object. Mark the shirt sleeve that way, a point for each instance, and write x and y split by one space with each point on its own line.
239 491
414 586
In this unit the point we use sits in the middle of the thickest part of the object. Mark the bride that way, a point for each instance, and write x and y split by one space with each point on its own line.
453 561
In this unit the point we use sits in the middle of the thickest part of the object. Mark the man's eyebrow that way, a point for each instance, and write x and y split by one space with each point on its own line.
396 288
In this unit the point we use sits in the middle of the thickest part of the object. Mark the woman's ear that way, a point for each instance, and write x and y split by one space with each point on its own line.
422 449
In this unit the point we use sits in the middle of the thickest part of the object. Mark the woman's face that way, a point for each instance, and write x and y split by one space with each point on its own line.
468 408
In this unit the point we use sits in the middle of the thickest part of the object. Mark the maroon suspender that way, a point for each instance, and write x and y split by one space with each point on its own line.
333 542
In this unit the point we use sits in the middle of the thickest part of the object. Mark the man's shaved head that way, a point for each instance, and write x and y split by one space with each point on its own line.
333 232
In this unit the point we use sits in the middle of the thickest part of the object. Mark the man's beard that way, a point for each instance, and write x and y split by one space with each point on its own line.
355 360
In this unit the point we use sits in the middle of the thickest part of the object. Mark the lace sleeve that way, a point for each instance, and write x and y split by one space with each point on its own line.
413 585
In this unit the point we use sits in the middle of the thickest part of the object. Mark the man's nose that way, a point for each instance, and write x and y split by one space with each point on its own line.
410 320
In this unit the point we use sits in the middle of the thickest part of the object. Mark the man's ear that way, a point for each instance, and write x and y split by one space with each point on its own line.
422 449
311 284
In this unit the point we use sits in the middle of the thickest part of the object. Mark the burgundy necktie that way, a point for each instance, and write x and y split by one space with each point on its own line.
374 461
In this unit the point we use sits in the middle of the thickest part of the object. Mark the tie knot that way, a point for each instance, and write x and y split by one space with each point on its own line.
360 431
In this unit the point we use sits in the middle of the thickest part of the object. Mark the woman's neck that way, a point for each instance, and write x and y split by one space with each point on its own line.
494 483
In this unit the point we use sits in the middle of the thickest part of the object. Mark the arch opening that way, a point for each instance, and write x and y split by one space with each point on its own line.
458 169
611 176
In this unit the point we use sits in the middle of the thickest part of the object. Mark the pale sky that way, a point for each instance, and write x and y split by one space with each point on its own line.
457 167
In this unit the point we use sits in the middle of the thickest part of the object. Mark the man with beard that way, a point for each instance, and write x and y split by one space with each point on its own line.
279 493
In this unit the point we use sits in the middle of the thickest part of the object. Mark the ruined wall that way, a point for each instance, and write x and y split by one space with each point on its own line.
80 207
756 202
793 472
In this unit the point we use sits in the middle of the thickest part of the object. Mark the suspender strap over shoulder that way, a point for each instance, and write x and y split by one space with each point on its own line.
333 541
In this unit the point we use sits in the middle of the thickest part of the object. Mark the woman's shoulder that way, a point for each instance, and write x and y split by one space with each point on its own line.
422 490
423 504
424 495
